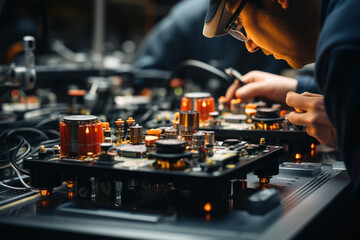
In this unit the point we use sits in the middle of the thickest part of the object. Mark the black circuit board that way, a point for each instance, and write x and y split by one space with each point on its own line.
131 162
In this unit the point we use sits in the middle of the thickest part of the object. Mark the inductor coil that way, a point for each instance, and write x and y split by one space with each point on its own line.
80 134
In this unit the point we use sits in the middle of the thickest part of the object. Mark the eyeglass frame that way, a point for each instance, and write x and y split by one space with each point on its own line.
229 25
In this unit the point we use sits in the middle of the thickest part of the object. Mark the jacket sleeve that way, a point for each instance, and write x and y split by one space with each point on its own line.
339 77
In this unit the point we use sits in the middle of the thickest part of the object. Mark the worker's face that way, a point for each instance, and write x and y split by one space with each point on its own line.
268 29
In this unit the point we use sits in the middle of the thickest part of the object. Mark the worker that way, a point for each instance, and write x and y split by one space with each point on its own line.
300 32
177 37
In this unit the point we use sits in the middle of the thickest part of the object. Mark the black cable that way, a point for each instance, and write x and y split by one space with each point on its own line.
27 129
14 159
201 67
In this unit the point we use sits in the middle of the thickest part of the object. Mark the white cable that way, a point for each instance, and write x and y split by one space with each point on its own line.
21 179
12 187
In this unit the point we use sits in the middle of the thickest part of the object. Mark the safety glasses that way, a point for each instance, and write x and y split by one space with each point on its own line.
234 26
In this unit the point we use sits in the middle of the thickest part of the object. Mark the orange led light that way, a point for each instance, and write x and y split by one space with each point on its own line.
207 207
44 192
70 195
15 93
298 156
312 145
70 184
204 104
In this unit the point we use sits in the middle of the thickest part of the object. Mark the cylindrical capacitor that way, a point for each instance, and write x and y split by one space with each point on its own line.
130 122
189 124
80 134
198 144
209 141
136 134
171 133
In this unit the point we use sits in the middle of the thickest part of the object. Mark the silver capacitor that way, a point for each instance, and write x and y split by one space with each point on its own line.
189 124
198 144
171 133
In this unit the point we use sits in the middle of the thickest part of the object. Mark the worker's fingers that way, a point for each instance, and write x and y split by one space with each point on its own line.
307 94
298 101
298 118
230 93
248 91
252 76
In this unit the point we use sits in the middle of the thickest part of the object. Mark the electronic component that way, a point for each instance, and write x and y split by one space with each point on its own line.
136 134
263 201
120 131
201 102
171 133
80 134
300 169
189 124
198 144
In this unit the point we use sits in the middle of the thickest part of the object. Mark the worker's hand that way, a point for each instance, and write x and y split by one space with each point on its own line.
261 84
310 112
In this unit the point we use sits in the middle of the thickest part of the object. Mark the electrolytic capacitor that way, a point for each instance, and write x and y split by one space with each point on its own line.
198 144
171 133
136 134
189 124
80 134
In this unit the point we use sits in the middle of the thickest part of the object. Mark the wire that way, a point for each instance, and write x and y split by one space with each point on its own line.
13 158
12 187
22 180
28 129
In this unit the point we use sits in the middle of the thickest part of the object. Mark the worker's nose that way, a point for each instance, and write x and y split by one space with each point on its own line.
251 46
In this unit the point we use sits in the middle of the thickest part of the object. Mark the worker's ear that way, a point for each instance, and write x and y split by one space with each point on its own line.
284 3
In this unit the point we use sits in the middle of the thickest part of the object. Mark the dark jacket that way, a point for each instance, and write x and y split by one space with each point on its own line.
338 76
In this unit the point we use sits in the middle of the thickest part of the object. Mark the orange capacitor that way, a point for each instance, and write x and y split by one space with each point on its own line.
198 101
250 109
130 120
76 92
154 132
185 104
105 125
98 136
251 105
202 108
80 134
211 104
283 113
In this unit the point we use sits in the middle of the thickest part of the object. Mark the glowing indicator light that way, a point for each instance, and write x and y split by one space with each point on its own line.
44 192
207 207
264 180
298 156
70 184
15 93
204 104
312 145
70 195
